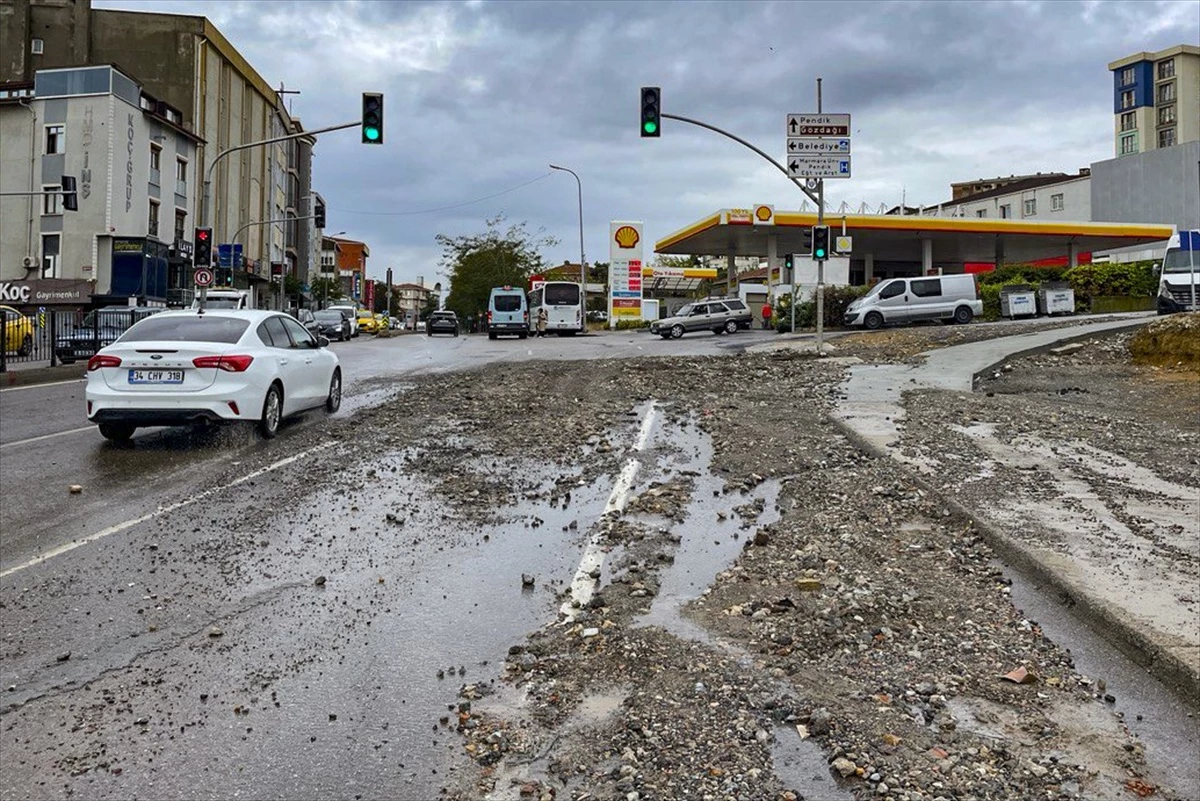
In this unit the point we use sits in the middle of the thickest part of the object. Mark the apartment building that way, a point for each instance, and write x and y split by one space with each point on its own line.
258 195
135 166
352 258
1156 99
1045 196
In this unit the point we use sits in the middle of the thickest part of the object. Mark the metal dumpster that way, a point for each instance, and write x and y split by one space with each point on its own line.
1056 297
1018 300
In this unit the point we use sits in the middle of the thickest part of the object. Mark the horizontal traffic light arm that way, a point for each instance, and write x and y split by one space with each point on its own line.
239 231
741 141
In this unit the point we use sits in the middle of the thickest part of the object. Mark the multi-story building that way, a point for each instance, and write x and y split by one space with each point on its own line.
187 63
134 164
410 299
964 189
1048 196
1156 99
352 258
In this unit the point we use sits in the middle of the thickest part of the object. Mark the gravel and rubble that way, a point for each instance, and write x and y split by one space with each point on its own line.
866 620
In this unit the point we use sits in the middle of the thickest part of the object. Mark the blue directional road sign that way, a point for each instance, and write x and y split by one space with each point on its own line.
229 255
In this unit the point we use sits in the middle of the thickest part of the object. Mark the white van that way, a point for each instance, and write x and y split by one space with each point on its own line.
1179 274
906 300
223 299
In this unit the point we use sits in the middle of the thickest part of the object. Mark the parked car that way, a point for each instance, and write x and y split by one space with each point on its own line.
99 328
308 320
18 332
721 316
906 300
185 368
333 324
442 322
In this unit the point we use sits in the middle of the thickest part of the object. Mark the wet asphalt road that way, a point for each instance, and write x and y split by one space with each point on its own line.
153 647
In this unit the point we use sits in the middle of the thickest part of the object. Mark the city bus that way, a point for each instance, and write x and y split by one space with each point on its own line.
563 301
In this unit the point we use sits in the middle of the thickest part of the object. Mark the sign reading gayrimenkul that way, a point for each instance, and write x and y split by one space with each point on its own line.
46 291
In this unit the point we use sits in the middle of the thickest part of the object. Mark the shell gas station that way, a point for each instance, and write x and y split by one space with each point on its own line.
879 246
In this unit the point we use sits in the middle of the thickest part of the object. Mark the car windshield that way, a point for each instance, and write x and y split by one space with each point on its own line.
221 303
329 317
208 328
1181 261
684 310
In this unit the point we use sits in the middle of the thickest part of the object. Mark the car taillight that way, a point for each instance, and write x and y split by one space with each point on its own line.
230 364
489 317
98 361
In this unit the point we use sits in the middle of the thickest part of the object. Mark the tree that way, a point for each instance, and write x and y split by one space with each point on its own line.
327 289
497 257
431 305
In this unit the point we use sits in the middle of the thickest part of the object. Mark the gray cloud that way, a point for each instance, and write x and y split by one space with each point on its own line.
481 97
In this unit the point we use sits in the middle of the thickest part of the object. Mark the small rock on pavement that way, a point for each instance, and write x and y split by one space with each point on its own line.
844 767
76 489
527 580
808 584
63 657
319 581
215 631
761 538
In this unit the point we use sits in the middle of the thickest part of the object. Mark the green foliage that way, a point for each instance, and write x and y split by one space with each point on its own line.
1022 274
1133 279
431 305
497 257
837 298
625 325
327 289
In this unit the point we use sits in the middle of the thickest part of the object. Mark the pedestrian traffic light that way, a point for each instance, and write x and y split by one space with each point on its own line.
202 255
70 197
372 118
651 110
319 217
820 240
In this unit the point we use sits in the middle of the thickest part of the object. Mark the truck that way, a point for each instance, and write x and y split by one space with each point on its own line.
1179 274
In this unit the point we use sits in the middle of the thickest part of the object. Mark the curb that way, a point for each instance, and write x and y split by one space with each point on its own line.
41 375
1107 621
1058 343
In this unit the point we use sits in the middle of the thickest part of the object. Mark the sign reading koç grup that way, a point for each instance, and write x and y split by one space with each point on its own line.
624 271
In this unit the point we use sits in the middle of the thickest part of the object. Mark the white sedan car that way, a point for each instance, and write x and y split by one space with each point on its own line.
187 367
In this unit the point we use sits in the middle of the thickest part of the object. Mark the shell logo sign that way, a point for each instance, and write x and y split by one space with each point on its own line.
764 214
626 237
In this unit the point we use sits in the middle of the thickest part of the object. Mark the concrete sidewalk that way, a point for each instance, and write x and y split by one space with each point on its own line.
1140 616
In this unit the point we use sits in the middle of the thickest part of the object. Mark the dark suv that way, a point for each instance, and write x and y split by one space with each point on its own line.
100 328
442 322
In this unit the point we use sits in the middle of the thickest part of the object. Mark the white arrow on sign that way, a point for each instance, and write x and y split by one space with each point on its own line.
819 166
818 125
203 276
799 146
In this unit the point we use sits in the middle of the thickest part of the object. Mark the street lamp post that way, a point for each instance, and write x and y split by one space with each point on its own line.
325 281
582 275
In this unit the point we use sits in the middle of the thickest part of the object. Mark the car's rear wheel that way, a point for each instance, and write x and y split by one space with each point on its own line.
522 335
963 315
676 331
26 346
666 335
731 326
491 335
117 432
272 412
334 401
873 320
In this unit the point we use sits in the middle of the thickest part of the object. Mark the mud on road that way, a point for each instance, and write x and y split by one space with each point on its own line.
862 643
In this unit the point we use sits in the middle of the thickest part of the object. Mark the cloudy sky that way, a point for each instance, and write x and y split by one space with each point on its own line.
481 96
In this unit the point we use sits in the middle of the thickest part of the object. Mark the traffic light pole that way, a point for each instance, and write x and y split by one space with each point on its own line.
741 141
205 207
820 262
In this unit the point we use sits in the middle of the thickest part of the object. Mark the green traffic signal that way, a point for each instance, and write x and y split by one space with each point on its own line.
649 126
371 133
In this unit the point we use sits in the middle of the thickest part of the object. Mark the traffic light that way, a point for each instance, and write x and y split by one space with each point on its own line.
319 217
70 198
651 110
789 262
202 256
372 118
820 240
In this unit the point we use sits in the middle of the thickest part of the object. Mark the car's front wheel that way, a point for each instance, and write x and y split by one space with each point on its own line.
117 432
272 412
334 400
676 331
873 320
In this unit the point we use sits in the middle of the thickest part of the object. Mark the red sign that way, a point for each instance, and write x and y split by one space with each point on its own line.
369 296
626 303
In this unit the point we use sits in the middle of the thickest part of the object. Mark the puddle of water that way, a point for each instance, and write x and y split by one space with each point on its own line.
1169 730
802 768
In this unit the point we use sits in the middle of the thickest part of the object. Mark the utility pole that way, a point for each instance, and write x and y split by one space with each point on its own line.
820 262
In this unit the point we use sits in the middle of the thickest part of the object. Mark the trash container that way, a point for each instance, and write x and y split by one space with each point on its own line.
1056 297
1018 300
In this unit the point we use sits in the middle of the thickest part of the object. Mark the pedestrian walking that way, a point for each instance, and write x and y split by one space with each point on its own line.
542 319
766 315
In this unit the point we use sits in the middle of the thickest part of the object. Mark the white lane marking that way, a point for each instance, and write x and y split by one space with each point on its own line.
47 384
46 436
583 585
119 527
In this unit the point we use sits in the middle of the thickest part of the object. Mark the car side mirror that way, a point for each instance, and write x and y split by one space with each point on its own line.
322 342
